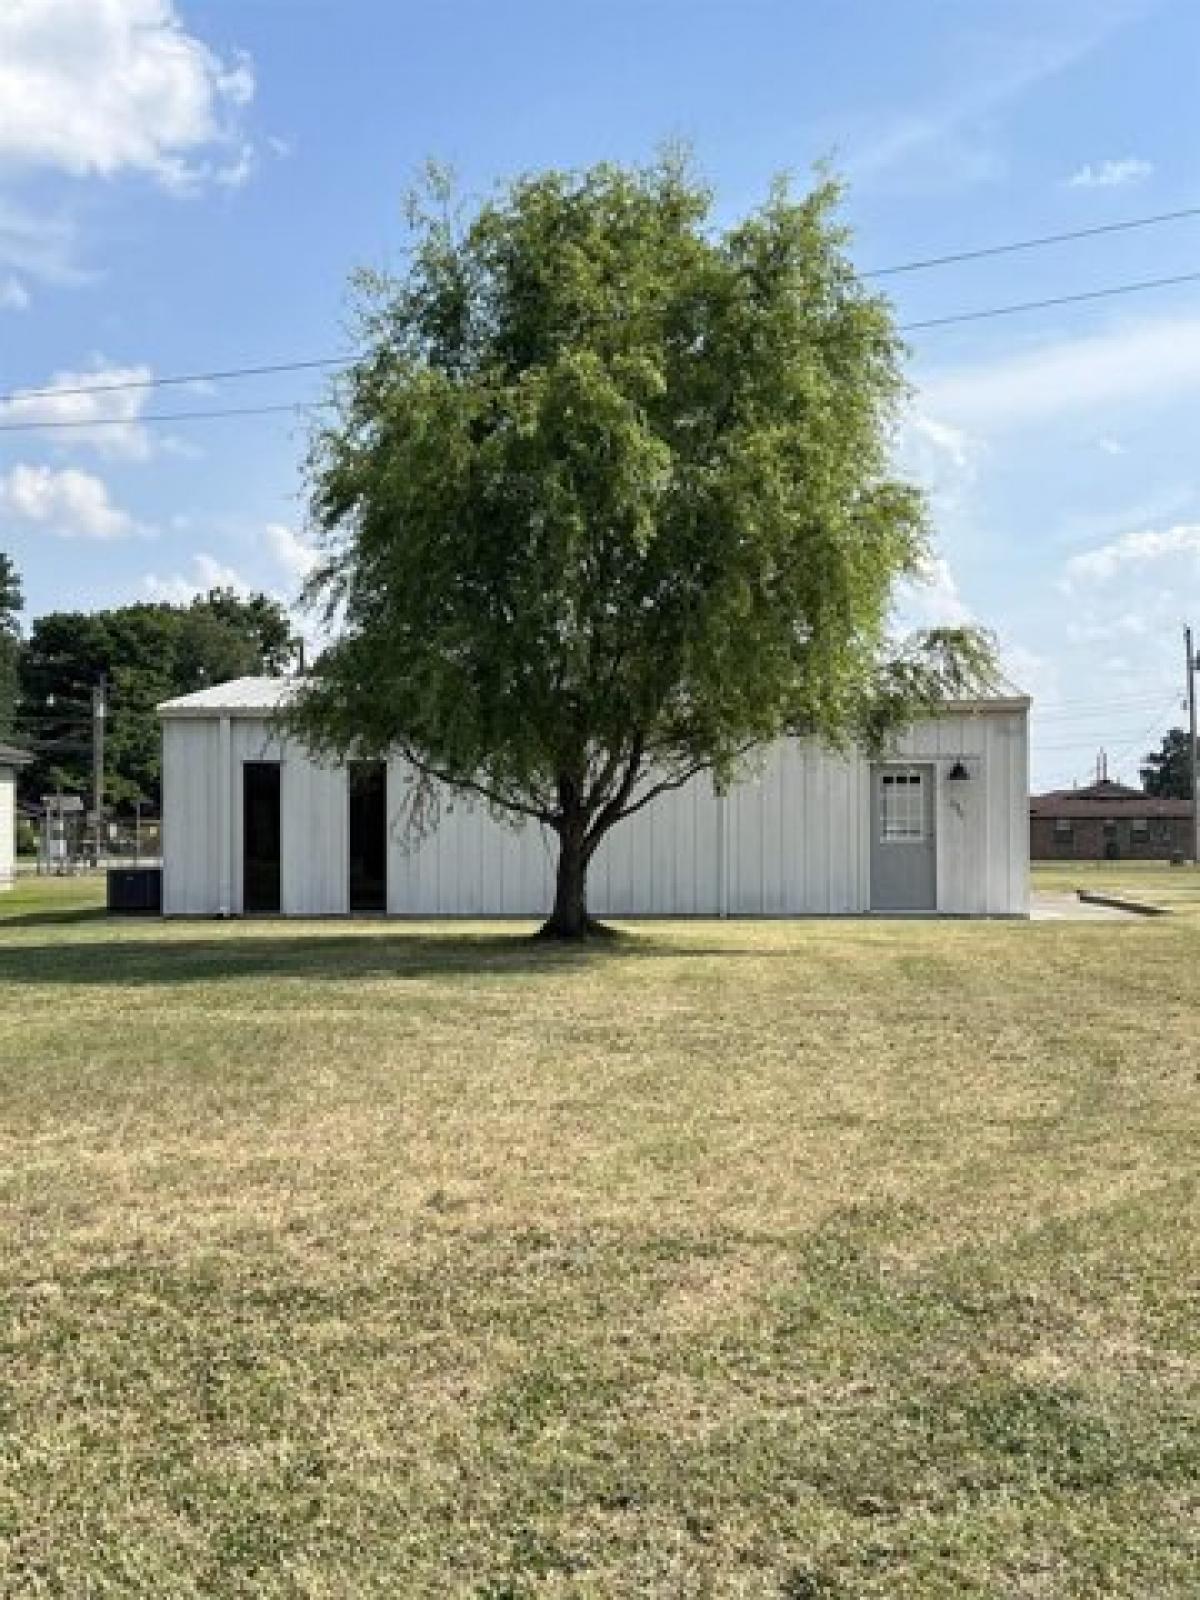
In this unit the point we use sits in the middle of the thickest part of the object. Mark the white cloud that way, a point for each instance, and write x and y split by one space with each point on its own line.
71 504
1086 526
14 296
932 600
1111 174
239 169
954 443
111 412
1090 629
951 140
1031 672
207 573
40 246
98 87
291 551
1154 361
1111 447
943 460
1136 550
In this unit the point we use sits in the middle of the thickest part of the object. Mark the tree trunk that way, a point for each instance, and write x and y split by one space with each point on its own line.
569 919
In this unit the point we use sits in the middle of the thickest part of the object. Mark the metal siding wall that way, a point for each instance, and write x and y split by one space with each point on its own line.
797 834
663 861
191 818
316 846
8 827
1008 794
794 834
1018 814
982 824
839 832
470 865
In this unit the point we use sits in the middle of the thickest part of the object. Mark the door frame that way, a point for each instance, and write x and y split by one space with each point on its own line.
930 771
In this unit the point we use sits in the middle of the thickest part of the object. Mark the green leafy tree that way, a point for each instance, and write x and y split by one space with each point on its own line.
257 621
147 653
1166 771
606 503
11 602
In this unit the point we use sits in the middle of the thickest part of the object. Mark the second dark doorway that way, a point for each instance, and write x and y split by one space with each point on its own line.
368 835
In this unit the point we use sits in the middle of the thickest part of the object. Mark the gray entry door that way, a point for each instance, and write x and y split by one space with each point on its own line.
903 841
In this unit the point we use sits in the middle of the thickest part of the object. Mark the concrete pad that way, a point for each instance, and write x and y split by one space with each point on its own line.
1047 905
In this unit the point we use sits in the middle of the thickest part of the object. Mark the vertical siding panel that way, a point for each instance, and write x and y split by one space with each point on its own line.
776 832
1018 815
829 833
315 859
833 836
705 853
8 828
996 827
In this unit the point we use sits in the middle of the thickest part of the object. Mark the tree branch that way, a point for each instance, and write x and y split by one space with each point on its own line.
664 787
492 796
677 782
613 812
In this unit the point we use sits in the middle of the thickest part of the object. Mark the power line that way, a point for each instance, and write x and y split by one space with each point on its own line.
1035 243
152 416
1151 732
1054 300
1123 754
1088 701
219 375
272 368
55 424
1089 710
1127 747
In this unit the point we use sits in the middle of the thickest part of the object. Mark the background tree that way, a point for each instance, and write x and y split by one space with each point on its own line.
606 503
148 653
1166 771
11 601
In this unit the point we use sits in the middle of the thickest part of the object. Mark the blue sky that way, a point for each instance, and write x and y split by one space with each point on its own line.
186 186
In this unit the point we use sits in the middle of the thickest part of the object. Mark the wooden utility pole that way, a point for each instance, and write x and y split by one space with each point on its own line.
1193 763
99 713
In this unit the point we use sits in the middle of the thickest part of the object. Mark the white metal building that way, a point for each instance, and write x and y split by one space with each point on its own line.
251 824
10 761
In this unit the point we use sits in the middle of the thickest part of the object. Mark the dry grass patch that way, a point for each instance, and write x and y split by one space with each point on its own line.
789 1260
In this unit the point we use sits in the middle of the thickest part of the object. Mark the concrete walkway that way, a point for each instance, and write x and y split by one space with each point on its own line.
1062 906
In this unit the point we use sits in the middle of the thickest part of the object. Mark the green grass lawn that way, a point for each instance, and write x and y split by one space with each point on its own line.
788 1260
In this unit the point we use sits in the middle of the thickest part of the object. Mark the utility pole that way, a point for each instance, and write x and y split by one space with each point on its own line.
1193 662
99 713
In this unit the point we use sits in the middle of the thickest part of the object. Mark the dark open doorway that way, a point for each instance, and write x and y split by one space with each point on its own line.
261 836
368 836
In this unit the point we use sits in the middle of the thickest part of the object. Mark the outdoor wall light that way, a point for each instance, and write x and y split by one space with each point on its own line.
958 773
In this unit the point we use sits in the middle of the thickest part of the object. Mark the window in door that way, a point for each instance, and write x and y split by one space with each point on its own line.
902 808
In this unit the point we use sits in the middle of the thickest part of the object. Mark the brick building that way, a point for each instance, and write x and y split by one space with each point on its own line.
1108 821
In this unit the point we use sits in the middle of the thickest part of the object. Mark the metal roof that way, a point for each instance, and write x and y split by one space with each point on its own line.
249 697
244 697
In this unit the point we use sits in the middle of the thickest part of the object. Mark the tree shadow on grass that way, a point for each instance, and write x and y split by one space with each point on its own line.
63 916
313 958
237 956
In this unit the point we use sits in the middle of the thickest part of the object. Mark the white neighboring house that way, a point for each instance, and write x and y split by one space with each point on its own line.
252 824
10 762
